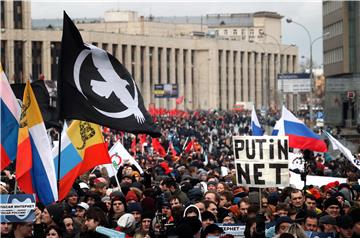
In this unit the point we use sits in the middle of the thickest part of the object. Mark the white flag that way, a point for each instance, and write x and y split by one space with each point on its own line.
345 151
120 156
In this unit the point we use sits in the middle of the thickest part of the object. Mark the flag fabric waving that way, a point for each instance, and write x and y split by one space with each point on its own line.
10 116
35 171
120 156
82 148
94 86
255 125
158 147
300 136
345 151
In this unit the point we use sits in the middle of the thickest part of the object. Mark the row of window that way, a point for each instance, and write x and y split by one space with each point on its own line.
333 56
331 6
234 32
334 29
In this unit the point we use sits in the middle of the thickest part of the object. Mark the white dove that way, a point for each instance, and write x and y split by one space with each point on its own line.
113 83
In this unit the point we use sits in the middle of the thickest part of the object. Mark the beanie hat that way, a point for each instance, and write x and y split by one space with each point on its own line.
126 222
355 214
56 213
134 207
331 201
206 215
131 196
148 215
148 204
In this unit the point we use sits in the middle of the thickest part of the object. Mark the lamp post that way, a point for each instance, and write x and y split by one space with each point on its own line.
311 43
281 51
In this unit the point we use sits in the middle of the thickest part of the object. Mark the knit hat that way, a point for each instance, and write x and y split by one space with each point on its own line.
56 213
206 215
331 201
148 204
327 219
83 205
281 220
126 222
148 215
106 198
131 196
212 228
134 207
345 222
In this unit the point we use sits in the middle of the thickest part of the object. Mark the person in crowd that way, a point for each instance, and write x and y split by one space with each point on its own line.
5 229
332 207
22 230
53 231
70 203
145 228
136 210
345 227
297 199
327 224
94 217
311 221
118 208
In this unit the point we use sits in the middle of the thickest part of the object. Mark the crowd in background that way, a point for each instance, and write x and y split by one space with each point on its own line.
190 192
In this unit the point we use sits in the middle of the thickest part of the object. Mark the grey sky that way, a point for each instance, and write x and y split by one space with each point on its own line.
308 13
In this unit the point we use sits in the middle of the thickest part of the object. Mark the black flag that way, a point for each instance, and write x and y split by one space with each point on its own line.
94 86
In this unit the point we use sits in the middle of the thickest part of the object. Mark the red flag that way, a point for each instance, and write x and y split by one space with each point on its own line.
133 145
190 146
158 147
142 138
172 149
180 100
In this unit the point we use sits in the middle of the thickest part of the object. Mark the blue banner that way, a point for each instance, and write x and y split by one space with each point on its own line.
17 208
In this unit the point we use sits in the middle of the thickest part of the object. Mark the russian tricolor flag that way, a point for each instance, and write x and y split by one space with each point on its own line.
300 136
35 171
10 116
82 148
255 125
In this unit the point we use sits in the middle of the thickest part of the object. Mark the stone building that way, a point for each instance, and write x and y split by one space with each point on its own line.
212 70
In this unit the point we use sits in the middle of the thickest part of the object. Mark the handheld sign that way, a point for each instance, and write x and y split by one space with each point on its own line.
17 208
261 161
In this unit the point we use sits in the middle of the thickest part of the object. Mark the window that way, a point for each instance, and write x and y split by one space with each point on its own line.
225 32
235 32
331 6
333 56
334 29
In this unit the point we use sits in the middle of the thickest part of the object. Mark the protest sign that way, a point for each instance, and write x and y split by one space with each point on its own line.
296 162
237 230
261 161
17 208
320 234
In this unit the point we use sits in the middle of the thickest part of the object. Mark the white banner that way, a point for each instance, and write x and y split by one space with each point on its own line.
120 156
261 161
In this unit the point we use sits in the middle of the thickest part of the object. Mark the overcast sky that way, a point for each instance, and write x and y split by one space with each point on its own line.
308 13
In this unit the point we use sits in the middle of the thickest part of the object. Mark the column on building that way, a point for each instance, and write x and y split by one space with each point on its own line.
146 84
271 80
259 80
245 76
295 63
46 59
172 79
188 81
277 72
119 53
27 59
26 14
223 80
180 76
252 79
231 82
237 78
213 78
138 65
128 62
163 72
290 96
265 80
155 75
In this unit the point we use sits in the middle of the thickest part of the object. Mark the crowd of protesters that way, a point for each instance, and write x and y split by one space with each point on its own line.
191 193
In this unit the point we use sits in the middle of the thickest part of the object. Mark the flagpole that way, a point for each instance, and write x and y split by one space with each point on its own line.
59 155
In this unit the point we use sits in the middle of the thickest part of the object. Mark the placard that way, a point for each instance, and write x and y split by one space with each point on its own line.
261 161
17 208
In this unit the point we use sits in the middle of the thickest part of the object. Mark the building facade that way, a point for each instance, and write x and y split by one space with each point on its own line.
211 72
342 62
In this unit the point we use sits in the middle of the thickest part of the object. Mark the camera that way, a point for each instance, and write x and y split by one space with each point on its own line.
161 219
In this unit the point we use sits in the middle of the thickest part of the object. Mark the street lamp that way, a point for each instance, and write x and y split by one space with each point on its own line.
311 43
